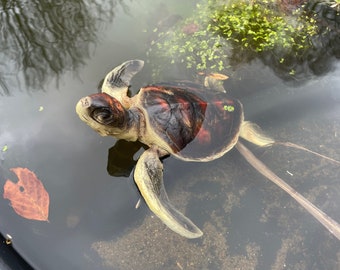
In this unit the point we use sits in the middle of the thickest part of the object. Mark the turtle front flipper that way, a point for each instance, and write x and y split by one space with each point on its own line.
117 81
149 179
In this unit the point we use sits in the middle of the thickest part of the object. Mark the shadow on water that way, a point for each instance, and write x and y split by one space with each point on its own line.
42 39
121 159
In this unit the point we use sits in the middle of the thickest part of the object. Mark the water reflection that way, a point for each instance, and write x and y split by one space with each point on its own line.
41 39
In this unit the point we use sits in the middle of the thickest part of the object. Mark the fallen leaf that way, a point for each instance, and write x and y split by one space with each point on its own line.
28 196
4 148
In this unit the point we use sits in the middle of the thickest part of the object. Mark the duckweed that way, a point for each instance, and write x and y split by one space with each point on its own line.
223 35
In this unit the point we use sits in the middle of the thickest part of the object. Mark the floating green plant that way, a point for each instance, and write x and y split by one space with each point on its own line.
260 26
220 35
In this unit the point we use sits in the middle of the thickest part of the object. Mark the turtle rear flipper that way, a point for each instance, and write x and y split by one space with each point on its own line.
117 81
214 84
149 179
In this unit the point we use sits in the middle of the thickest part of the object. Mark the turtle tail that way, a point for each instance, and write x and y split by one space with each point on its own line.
253 133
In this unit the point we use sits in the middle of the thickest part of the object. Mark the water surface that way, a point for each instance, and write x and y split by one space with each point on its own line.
247 222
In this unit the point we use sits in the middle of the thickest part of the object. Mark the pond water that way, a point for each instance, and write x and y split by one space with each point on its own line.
248 223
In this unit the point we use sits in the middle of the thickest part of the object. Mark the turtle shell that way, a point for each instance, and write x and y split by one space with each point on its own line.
195 122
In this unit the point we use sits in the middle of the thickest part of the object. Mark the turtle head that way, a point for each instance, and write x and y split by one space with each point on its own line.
104 114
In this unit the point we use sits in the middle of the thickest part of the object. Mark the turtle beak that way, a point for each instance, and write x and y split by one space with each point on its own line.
83 109
82 106
84 103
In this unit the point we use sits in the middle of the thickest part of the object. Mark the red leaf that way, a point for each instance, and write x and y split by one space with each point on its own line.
28 196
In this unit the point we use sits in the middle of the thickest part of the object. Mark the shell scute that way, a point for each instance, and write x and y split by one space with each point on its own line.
195 122
174 114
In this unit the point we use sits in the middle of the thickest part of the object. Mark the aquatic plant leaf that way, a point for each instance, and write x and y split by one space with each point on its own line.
28 196
218 76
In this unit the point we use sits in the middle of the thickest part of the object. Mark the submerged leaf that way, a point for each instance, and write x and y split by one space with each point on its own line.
218 76
28 196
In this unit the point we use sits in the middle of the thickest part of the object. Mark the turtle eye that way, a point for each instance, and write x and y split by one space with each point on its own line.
103 115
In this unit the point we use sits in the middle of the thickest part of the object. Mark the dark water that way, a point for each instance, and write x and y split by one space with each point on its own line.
247 222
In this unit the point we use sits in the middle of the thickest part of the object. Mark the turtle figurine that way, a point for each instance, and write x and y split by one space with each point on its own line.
182 119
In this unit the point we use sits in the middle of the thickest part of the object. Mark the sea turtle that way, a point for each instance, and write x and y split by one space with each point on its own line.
182 119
